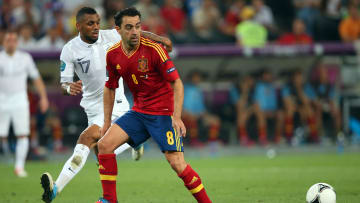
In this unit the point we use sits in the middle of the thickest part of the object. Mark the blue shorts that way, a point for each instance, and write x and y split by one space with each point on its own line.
141 127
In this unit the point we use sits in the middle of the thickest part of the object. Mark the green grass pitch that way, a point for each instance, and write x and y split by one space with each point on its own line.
247 178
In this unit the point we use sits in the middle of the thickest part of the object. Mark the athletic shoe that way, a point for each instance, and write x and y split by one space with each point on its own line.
102 200
137 153
49 187
21 173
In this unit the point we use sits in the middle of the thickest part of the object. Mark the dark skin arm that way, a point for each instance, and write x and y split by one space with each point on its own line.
163 40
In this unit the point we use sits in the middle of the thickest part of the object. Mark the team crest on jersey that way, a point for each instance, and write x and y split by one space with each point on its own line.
143 65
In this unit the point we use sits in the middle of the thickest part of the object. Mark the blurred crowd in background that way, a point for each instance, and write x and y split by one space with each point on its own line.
48 24
259 107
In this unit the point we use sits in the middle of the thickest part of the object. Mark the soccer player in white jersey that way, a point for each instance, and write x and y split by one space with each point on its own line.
85 55
15 67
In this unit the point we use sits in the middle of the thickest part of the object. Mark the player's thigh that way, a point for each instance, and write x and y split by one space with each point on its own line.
21 121
161 130
133 124
4 123
113 138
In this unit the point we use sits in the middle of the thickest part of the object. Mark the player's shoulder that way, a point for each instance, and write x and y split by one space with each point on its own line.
154 48
70 45
23 54
114 48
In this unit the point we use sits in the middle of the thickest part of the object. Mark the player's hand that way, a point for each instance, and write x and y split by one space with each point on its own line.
179 126
44 105
105 127
75 88
168 44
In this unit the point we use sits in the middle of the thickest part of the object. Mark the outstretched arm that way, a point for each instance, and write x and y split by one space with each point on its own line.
178 103
163 40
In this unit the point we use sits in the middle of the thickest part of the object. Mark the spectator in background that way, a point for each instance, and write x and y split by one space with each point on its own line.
267 107
27 14
206 21
7 20
297 36
308 11
195 111
263 14
147 9
52 40
175 19
232 17
192 6
325 98
110 9
296 99
250 33
242 97
26 39
349 28
55 18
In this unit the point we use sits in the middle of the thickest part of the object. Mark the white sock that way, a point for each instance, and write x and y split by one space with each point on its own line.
22 147
122 148
5 146
72 166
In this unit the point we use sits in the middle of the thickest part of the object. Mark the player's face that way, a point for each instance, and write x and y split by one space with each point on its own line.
89 27
10 42
130 30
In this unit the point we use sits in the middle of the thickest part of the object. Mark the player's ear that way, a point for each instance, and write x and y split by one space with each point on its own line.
78 26
117 28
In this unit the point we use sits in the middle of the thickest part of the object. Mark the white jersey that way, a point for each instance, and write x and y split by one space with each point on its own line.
88 61
14 72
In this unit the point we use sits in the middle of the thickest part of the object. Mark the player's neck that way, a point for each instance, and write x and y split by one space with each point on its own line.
10 53
129 49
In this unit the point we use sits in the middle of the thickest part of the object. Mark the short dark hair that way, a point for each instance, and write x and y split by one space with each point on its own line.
83 11
131 11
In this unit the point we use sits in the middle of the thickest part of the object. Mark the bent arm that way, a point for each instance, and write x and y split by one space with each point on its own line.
163 40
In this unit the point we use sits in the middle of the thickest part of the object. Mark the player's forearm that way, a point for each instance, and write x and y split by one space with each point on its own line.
178 97
109 97
40 88
163 40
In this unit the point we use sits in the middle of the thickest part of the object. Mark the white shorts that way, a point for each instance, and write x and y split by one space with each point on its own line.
94 111
20 118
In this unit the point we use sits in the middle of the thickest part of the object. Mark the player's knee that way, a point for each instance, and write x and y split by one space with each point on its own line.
86 139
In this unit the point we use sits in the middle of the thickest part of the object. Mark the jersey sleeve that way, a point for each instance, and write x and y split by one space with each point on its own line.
164 63
66 65
31 68
112 35
112 76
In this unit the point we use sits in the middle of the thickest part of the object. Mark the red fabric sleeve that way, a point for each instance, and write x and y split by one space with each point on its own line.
164 64
112 76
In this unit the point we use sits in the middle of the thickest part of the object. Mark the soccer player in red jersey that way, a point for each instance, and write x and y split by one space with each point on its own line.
158 98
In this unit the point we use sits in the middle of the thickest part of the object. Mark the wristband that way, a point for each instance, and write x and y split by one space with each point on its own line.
68 89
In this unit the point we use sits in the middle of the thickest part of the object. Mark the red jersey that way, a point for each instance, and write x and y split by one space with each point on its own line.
147 72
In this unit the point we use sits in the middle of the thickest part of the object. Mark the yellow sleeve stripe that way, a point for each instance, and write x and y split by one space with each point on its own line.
108 177
157 48
114 47
156 44
197 189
